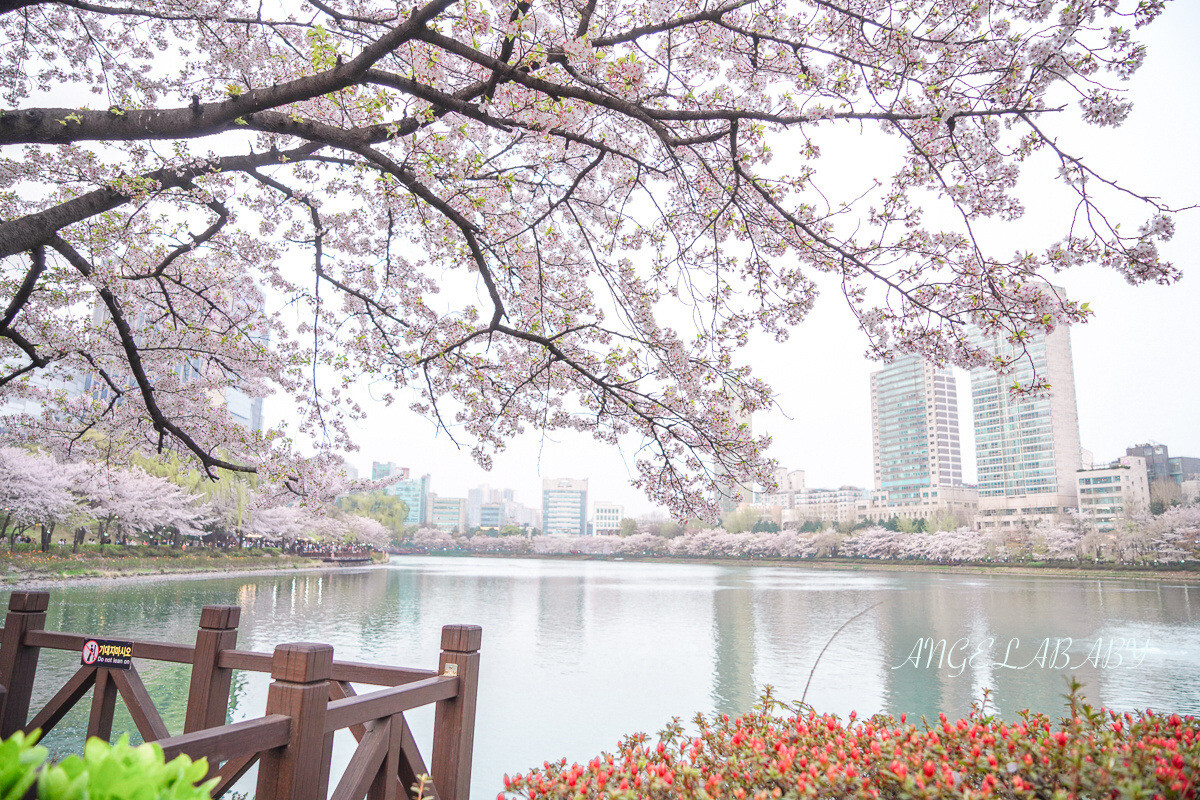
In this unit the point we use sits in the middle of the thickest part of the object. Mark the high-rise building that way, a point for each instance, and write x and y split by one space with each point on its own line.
914 427
381 470
564 506
415 493
731 493
1026 446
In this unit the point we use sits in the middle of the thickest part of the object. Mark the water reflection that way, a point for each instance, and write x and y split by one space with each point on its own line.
577 654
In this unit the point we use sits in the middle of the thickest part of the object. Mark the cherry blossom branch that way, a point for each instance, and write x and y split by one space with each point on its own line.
65 125
162 422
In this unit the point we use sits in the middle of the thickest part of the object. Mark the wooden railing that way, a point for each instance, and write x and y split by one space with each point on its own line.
309 699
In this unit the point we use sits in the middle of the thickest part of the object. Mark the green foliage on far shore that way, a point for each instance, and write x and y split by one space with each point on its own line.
106 560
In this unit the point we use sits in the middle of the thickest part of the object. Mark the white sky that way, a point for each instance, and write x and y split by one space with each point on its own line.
1136 362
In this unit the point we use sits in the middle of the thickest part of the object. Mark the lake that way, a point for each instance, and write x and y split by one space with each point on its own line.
577 654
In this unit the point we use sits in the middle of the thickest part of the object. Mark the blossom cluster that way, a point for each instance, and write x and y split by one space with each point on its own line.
781 752
517 217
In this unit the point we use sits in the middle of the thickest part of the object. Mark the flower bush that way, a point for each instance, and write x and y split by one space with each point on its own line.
779 751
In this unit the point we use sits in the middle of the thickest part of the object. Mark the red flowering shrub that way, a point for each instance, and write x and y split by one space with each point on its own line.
775 752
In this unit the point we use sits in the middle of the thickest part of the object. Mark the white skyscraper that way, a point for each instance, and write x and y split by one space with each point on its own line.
1026 447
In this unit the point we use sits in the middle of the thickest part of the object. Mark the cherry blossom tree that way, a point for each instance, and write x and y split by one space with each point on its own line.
279 523
1173 535
565 215
132 501
366 531
432 540
36 490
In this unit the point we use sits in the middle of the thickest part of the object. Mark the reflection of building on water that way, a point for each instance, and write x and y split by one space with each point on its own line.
908 621
733 690
560 618
1060 632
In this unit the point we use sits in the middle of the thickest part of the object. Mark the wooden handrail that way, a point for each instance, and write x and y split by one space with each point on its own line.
350 671
231 741
310 697
386 702
347 671
378 674
244 659
155 651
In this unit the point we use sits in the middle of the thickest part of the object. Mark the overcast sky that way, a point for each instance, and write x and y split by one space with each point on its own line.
1137 363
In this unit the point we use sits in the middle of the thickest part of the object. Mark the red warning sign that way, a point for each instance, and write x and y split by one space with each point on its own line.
107 653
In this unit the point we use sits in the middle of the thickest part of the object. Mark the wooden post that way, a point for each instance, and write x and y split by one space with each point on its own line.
18 661
454 719
208 693
301 691
104 703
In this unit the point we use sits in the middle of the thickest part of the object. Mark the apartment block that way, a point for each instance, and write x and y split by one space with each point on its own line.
788 484
496 515
381 470
484 494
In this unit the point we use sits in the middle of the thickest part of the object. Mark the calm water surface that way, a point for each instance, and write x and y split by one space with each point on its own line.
578 654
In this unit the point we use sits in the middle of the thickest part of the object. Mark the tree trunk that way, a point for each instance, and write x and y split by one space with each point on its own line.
80 534
47 533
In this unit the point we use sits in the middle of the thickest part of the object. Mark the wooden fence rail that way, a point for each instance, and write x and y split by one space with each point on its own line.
310 698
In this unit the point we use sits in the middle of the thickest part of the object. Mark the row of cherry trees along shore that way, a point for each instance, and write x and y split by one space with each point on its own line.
1168 538
43 497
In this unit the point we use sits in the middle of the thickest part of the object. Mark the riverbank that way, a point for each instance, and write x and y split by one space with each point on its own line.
37 570
863 565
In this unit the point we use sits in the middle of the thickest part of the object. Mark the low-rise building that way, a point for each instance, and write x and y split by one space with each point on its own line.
1108 493
825 505
606 517
448 513
788 484
500 514
926 502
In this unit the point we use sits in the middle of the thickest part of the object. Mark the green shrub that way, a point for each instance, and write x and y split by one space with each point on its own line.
104 772
20 757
